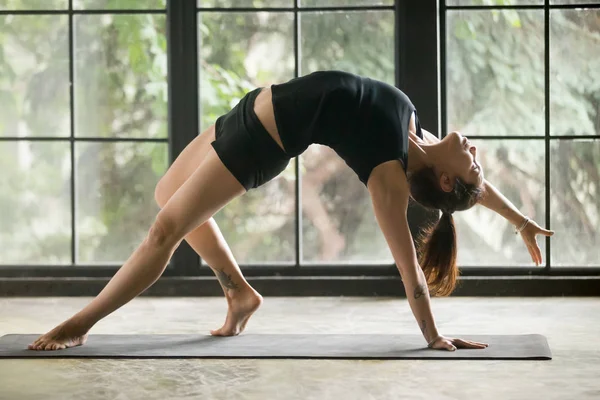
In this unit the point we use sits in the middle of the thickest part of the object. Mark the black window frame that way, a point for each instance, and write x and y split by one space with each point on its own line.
419 30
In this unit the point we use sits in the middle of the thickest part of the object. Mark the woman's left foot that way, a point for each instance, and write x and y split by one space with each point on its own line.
241 307
64 335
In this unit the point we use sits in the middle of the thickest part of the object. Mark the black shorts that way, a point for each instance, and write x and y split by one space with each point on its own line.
245 147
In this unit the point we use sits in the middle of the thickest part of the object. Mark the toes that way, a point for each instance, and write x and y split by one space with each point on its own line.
37 345
42 345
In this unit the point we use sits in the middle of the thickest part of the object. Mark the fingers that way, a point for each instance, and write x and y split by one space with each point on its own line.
536 254
537 258
541 230
532 254
448 345
453 344
468 344
533 248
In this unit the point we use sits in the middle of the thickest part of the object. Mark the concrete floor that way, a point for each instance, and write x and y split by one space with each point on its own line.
572 326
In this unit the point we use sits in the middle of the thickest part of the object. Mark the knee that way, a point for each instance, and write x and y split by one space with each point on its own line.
161 193
163 232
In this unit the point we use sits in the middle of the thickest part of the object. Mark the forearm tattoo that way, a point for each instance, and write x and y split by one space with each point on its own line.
226 280
419 291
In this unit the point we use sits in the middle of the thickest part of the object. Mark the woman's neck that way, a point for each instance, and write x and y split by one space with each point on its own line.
420 154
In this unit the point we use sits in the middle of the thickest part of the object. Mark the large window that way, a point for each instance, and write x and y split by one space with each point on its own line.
83 128
94 105
523 80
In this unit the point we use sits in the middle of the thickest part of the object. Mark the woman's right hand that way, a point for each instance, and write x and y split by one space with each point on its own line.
451 344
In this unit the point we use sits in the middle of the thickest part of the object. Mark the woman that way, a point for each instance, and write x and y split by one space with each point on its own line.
374 127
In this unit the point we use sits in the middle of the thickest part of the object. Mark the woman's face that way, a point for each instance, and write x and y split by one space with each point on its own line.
462 161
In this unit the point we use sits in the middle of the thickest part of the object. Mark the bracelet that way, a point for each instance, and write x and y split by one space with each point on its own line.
433 341
523 225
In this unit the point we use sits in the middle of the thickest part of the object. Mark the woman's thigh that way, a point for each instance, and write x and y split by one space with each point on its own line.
184 165
208 189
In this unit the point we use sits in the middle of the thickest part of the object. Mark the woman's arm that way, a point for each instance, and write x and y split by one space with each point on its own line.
496 201
389 193
390 202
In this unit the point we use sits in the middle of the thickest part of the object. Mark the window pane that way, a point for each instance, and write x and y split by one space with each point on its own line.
516 168
115 204
574 84
338 221
495 72
575 190
245 3
493 2
35 203
118 4
361 42
237 53
120 76
343 3
34 75
34 4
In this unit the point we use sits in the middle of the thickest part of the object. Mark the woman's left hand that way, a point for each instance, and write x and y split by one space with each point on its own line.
529 237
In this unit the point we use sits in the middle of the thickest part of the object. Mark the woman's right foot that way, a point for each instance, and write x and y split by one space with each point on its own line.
241 306
64 335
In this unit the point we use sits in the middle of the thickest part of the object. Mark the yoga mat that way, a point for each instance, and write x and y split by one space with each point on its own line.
342 346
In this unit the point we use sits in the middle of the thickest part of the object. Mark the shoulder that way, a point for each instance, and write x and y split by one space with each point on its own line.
388 184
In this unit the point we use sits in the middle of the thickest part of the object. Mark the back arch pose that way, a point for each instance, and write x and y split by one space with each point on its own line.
375 129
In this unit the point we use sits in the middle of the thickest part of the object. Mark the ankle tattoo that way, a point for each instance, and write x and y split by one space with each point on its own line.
226 280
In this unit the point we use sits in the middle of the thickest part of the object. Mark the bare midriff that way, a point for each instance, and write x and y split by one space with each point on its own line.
263 107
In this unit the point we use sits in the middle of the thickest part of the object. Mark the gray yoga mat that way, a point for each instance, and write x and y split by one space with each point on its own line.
346 346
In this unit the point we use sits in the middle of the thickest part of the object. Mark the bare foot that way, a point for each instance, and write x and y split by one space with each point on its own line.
241 308
63 336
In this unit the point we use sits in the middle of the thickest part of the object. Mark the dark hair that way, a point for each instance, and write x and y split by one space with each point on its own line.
437 244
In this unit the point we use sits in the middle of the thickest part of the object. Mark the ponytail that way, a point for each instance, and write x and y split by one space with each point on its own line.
437 248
